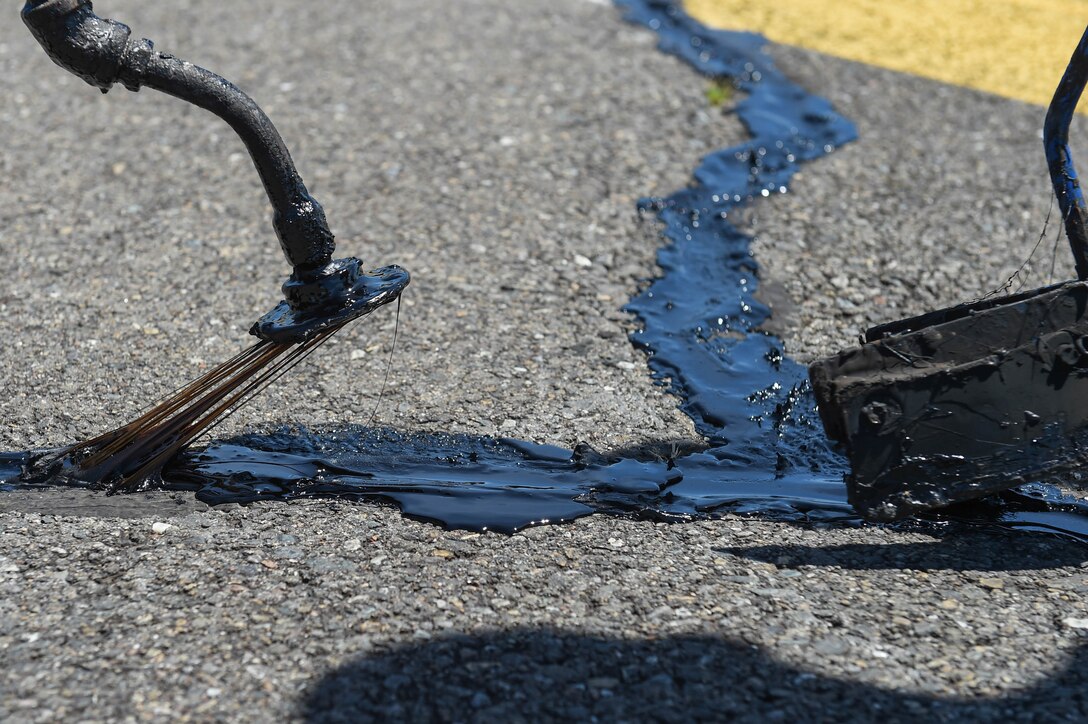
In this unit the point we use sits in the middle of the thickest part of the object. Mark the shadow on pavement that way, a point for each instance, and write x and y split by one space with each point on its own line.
961 551
533 675
83 503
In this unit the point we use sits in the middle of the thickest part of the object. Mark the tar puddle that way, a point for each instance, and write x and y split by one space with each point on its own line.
766 454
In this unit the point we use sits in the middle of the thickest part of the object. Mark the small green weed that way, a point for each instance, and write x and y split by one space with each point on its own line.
719 92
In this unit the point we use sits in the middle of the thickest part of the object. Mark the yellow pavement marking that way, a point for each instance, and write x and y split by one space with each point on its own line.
1014 48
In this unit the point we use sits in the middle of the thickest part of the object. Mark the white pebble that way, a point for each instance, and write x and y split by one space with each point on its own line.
160 528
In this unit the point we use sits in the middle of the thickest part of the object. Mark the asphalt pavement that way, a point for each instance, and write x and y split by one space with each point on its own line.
497 151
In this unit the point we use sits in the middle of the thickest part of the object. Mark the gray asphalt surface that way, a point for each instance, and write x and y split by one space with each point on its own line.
492 148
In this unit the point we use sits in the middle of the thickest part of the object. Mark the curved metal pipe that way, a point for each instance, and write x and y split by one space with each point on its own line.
298 219
1060 159
102 52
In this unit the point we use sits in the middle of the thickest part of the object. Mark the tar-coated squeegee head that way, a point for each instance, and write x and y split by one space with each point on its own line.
968 401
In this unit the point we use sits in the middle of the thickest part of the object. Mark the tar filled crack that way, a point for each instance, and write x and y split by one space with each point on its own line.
767 454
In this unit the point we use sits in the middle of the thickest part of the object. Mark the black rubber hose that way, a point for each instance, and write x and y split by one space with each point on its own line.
102 52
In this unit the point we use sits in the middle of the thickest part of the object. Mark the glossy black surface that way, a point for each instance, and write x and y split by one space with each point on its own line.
964 408
331 297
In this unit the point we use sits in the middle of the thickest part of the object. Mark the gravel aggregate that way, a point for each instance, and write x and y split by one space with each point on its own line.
497 151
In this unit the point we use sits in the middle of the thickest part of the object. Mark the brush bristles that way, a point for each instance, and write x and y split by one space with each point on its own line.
128 458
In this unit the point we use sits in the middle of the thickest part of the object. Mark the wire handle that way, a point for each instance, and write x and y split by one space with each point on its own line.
1060 159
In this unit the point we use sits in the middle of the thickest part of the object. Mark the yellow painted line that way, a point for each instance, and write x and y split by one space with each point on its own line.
1014 48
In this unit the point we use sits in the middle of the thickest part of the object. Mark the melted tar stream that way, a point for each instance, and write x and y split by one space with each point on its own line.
767 453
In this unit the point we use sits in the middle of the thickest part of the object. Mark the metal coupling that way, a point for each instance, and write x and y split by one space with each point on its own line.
100 51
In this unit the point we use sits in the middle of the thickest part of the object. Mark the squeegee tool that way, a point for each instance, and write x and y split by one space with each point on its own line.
964 402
